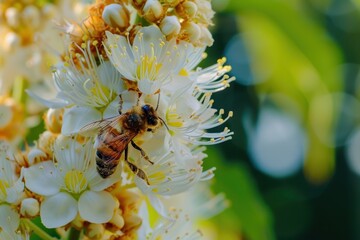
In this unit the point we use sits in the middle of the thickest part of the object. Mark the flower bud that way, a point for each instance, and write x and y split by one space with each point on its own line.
53 120
12 16
170 26
78 222
95 231
152 10
186 10
191 31
116 15
118 219
29 207
206 37
46 142
31 16
132 222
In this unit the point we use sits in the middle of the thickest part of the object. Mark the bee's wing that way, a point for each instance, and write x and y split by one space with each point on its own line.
101 124
112 136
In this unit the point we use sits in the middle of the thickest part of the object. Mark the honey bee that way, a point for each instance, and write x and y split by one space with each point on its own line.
116 133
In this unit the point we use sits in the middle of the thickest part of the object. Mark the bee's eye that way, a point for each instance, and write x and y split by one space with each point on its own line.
146 108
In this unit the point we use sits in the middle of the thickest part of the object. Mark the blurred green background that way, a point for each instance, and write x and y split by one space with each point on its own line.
292 168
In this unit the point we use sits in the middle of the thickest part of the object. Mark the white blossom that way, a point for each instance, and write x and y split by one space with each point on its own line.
10 223
151 60
72 185
11 185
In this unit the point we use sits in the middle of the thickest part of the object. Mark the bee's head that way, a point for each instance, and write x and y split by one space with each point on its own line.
151 116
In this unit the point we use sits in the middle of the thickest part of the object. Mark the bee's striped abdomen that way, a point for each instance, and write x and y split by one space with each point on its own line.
106 161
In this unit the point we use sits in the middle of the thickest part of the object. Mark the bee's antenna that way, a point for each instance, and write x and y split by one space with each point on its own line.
162 120
157 104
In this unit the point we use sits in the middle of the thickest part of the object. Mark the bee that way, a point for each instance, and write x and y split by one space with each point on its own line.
115 135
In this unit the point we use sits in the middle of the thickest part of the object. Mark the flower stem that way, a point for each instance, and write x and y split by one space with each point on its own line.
37 230
18 93
74 234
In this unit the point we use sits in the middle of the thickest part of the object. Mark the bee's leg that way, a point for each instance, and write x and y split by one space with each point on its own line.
121 101
140 173
142 152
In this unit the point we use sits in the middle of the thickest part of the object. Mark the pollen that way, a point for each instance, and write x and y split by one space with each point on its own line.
221 61
75 181
157 178
183 73
148 67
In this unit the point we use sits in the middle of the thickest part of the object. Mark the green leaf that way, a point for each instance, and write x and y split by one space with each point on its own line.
248 211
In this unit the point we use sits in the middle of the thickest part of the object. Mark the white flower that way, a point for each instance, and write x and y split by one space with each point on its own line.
72 185
150 61
191 116
198 202
11 185
178 226
89 88
9 224
214 78
169 177
210 79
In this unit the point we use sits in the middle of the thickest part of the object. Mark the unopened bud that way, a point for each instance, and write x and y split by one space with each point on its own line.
206 37
170 26
186 10
118 219
95 231
31 16
12 17
132 222
152 10
78 222
191 31
116 15
53 120
29 207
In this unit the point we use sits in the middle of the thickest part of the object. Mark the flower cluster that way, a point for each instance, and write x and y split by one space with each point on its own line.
127 129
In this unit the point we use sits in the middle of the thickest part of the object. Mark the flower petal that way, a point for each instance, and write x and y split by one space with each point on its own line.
96 207
50 103
112 109
147 86
9 218
58 210
97 183
42 178
15 192
158 205
76 118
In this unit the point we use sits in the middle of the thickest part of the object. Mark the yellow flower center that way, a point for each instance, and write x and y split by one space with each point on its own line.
173 119
75 181
148 67
157 178
183 73
3 186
